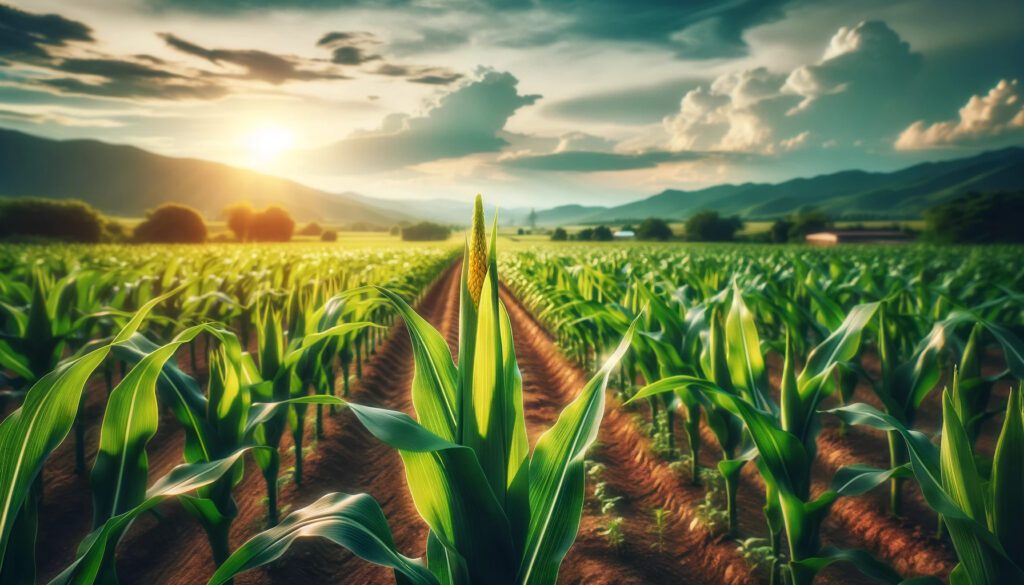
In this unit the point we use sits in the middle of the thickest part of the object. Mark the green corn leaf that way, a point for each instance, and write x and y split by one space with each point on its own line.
355 522
435 381
30 433
840 346
451 493
120 473
743 351
1008 479
857 479
557 476
100 543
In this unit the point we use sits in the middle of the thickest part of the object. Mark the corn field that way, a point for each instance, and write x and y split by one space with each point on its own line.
554 414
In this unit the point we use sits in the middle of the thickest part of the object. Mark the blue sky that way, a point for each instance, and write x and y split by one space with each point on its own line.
533 102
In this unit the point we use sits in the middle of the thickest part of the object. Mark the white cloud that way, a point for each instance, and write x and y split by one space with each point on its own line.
998 114
864 57
757 110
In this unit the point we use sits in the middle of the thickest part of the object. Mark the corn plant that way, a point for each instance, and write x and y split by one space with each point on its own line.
784 438
497 514
982 510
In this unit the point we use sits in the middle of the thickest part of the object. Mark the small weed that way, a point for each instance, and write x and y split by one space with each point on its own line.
613 533
660 527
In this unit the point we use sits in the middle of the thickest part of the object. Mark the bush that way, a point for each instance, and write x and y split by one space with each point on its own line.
273 224
312 229
585 234
239 217
978 218
779 232
602 233
708 226
654 229
67 220
329 236
807 221
171 224
425 231
559 235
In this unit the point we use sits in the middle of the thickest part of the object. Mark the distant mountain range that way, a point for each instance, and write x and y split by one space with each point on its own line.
127 181
847 194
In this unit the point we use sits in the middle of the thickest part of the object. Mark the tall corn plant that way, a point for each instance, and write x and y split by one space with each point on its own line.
784 439
982 509
497 514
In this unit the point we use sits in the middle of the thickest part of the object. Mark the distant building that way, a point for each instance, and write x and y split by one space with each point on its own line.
832 237
624 235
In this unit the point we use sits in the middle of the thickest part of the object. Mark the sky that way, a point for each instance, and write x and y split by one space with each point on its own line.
531 102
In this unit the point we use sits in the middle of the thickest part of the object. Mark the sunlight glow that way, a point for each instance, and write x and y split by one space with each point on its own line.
265 143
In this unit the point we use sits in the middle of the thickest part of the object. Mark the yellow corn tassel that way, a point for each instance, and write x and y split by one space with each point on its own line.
477 252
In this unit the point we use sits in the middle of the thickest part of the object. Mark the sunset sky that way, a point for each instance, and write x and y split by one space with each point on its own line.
534 102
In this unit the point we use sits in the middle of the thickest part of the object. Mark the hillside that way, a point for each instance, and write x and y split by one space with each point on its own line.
847 194
124 180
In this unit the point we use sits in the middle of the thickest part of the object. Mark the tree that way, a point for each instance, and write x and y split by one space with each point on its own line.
602 233
311 229
779 232
808 220
329 236
559 235
585 234
977 218
69 220
708 226
239 217
273 224
520 232
532 219
171 223
425 232
653 228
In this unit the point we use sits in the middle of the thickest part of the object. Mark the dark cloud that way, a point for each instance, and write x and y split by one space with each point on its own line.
31 35
465 121
419 74
121 79
259 65
584 161
695 29
350 48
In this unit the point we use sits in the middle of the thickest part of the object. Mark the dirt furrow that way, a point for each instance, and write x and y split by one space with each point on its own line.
681 555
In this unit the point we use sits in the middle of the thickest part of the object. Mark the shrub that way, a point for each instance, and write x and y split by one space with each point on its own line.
977 218
807 221
779 232
311 229
425 231
602 233
654 229
273 224
329 236
171 223
559 235
68 220
239 217
708 226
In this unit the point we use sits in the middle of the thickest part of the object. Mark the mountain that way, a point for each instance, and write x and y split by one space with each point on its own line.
127 181
846 194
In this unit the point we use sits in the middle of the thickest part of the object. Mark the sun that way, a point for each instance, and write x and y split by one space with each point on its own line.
266 143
